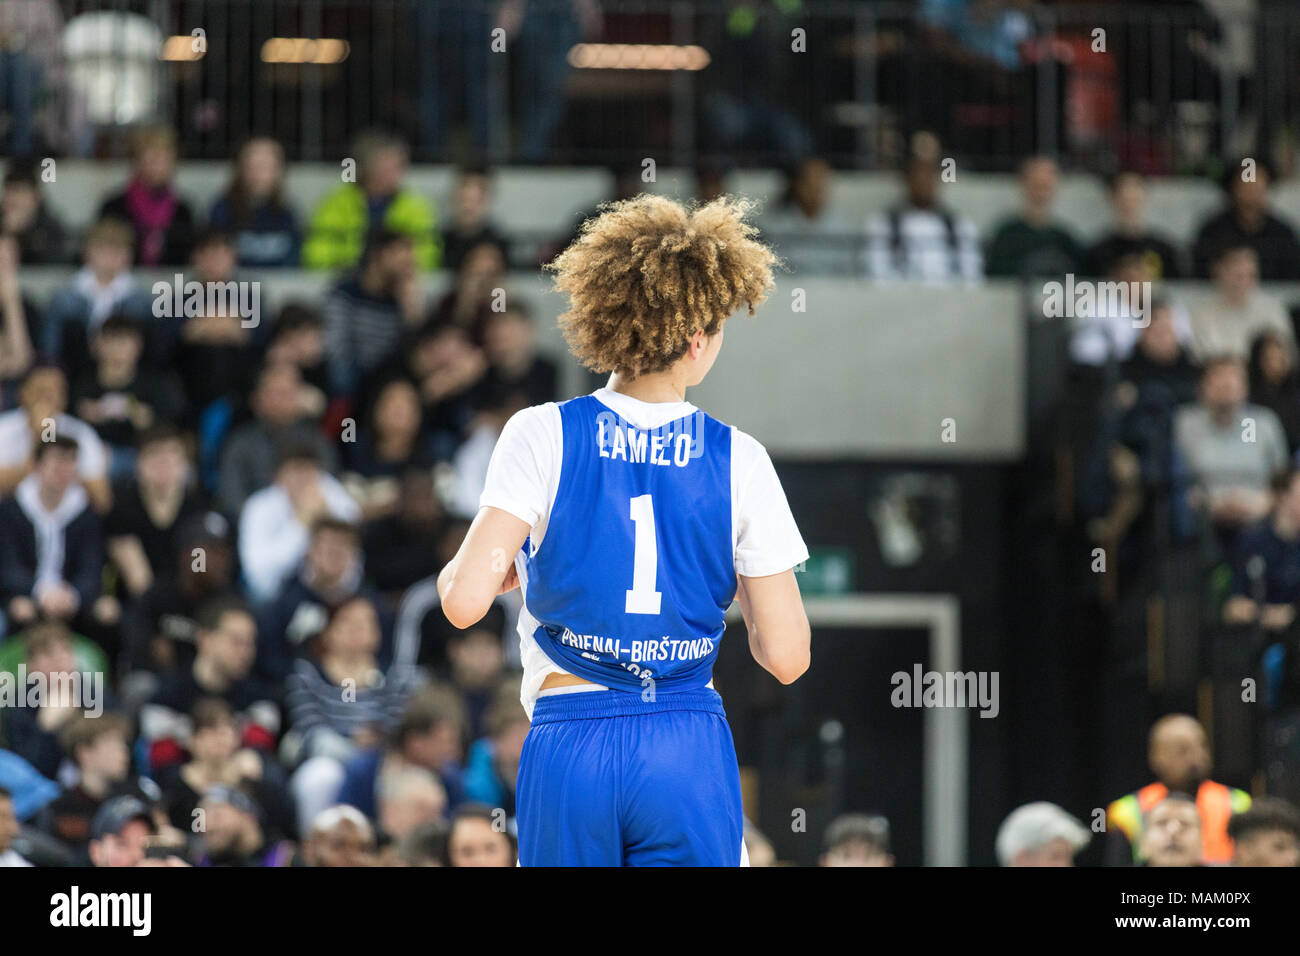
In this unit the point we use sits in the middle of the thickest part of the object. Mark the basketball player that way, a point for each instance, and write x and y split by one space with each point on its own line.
631 519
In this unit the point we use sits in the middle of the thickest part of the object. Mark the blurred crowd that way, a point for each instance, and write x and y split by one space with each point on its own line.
237 518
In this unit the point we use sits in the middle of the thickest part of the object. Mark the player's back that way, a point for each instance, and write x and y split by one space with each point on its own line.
634 575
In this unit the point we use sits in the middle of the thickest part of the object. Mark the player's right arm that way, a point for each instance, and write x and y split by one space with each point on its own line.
516 494
483 568
779 636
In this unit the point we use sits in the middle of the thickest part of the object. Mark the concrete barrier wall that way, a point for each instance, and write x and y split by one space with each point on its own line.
866 371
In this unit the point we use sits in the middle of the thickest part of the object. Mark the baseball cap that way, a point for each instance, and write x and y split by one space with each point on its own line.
1037 824
115 813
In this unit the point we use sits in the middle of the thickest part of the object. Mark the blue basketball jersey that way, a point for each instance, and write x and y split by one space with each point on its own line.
636 571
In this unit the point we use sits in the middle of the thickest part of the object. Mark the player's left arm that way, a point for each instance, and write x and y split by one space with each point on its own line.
483 568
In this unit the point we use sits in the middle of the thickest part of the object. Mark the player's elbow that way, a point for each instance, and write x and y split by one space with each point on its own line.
462 609
789 662
790 667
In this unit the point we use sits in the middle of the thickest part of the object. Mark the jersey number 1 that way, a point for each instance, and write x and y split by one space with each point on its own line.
643 598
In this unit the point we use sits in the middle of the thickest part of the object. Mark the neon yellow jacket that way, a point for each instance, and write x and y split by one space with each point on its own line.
337 233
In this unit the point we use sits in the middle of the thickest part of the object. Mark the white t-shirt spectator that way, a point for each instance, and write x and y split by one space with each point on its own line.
17 442
524 476
273 542
923 245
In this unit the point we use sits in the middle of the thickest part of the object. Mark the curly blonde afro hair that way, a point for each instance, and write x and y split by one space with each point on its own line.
648 272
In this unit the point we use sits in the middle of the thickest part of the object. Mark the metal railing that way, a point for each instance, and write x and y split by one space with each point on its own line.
1165 89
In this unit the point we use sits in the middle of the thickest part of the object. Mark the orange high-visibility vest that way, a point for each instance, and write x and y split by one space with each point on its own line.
1214 802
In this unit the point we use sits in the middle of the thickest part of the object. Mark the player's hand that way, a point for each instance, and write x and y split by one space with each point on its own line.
511 580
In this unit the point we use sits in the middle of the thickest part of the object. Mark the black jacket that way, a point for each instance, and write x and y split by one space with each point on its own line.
83 561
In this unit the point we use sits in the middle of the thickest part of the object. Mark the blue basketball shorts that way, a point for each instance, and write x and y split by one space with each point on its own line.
608 779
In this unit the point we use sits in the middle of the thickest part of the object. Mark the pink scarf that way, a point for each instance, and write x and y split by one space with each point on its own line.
151 212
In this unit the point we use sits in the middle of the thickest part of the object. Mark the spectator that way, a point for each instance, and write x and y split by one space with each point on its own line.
1160 370
477 838
120 831
1137 435
51 545
1130 234
1233 449
274 522
161 627
225 649
9 857
163 222
367 314
856 839
1040 834
920 239
1032 243
1266 565
478 292
142 529
216 346
17 330
248 461
1268 834
30 31
492 766
1172 832
29 788
471 225
254 211
376 201
543 34
1179 755
422 630
340 702
33 732
396 546
476 666
454 79
214 257
395 443
234 834
1247 221
1121 308
409 797
43 400
339 836
808 233
330 574
749 111
24 217
426 845
1227 323
510 344
298 338
118 398
99 747
470 461
450 372
429 735
975 52
1274 383
103 287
